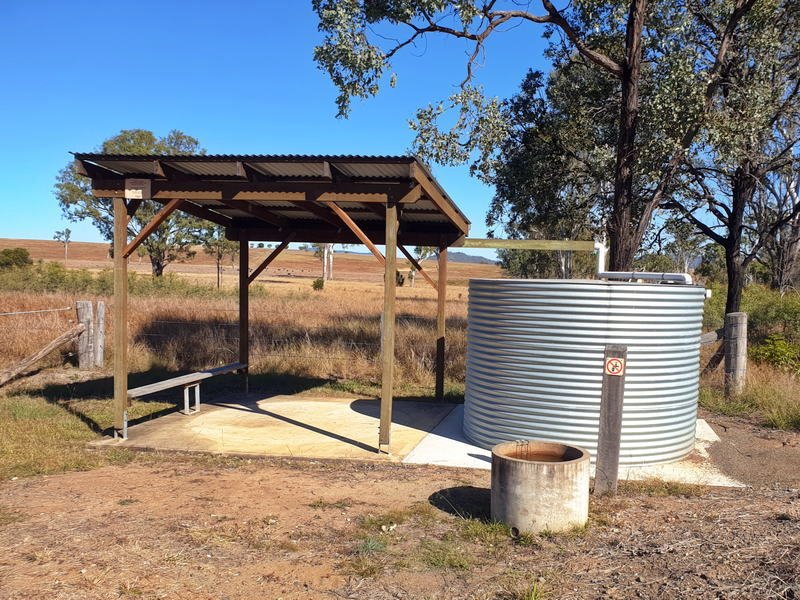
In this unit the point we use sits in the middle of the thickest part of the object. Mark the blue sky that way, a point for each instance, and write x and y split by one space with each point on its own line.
239 76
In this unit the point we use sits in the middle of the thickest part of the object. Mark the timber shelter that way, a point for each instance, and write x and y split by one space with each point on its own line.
371 200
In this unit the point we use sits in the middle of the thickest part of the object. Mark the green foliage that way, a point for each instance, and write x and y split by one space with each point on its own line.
656 262
50 277
318 284
14 257
533 264
712 264
777 352
174 238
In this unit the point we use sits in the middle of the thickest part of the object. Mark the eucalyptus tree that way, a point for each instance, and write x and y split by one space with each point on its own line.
685 44
780 255
752 136
217 246
64 236
174 238
552 173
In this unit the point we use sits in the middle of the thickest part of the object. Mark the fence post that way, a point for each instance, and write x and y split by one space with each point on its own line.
735 353
610 432
100 335
85 341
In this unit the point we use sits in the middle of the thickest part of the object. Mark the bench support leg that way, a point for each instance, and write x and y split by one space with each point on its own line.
186 409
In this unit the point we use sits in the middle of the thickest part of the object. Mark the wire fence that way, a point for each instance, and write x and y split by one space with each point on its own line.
32 312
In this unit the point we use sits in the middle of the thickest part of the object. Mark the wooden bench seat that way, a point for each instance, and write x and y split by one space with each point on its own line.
190 380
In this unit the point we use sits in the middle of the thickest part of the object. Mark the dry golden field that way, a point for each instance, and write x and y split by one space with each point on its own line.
296 332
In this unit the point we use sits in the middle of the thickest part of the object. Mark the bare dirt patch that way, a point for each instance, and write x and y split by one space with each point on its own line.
180 527
756 455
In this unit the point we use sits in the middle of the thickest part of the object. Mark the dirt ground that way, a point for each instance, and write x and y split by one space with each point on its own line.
201 527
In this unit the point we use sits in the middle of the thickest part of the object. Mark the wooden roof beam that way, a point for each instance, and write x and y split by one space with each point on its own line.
201 212
357 231
157 220
416 265
438 198
259 212
270 257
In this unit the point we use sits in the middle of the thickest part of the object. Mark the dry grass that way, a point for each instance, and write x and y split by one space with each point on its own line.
332 335
771 396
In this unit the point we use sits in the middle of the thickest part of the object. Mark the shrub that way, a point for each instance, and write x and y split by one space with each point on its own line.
776 351
318 284
14 257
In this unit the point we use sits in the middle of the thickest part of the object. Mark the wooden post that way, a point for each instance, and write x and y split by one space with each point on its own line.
735 353
120 319
86 339
441 299
244 310
100 335
610 433
387 330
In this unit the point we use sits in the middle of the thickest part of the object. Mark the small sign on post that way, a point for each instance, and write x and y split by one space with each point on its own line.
610 433
137 189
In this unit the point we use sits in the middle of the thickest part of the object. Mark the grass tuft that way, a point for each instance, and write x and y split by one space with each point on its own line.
321 504
485 532
370 545
444 554
660 488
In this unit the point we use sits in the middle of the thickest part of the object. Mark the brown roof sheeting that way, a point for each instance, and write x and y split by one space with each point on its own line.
266 197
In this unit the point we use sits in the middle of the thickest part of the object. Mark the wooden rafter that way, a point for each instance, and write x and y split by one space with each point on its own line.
201 212
157 220
259 212
417 266
358 232
272 256
319 211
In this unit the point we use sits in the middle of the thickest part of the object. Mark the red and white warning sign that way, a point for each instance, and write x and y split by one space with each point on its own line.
615 366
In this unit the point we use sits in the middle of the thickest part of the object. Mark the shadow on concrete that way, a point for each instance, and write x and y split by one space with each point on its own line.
465 501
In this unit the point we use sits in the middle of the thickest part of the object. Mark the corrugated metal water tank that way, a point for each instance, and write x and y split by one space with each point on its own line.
535 363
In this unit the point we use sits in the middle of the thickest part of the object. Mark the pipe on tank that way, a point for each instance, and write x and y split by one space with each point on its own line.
602 253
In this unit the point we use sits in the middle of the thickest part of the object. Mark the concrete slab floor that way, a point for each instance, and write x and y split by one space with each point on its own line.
288 426
447 446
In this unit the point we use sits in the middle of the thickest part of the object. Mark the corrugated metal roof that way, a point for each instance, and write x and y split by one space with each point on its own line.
271 169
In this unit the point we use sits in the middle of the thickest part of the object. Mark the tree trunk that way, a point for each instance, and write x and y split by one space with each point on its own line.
157 265
219 271
743 187
624 239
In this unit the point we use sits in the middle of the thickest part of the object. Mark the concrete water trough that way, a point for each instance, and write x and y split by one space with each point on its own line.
539 486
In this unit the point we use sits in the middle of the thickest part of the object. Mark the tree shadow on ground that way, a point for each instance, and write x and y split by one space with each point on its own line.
465 501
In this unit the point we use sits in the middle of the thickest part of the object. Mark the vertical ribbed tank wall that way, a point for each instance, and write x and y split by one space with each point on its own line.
535 363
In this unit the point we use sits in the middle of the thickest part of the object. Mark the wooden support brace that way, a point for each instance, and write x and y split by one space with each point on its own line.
361 235
416 265
162 215
272 256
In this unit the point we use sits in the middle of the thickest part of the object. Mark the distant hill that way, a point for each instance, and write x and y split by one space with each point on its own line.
463 257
